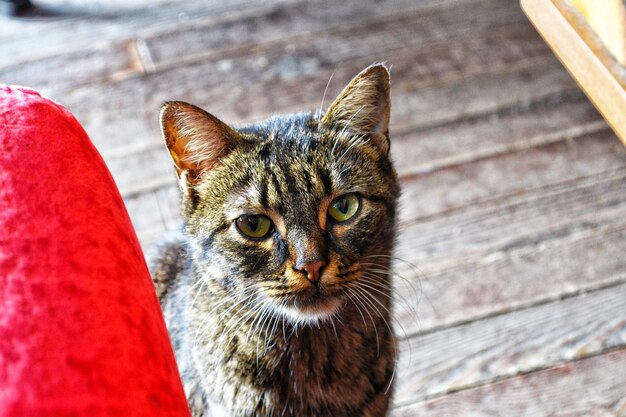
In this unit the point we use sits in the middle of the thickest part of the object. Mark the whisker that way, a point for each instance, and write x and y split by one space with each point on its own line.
414 294
266 317
395 293
228 325
244 317
252 329
393 375
274 328
324 96
370 298
206 316
410 283
357 307
219 318
200 281
358 296
203 282
365 283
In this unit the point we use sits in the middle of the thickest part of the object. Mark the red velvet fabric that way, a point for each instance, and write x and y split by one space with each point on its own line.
81 331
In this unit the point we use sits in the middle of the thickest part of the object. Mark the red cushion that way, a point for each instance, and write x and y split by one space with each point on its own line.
81 331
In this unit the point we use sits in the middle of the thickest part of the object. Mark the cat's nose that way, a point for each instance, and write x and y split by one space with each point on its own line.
313 270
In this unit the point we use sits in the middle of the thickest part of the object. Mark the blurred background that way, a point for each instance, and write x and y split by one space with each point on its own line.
511 269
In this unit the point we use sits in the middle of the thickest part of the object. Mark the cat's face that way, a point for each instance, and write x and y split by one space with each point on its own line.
293 212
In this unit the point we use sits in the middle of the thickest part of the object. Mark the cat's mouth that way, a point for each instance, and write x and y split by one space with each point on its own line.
312 308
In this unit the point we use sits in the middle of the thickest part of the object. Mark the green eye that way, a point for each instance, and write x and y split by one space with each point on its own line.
254 225
344 207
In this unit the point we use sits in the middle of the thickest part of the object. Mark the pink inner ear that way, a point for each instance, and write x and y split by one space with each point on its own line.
196 140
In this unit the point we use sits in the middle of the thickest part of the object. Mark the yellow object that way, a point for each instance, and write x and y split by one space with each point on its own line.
256 226
608 19
344 207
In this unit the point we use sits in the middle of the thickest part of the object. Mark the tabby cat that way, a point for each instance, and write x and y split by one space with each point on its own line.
276 292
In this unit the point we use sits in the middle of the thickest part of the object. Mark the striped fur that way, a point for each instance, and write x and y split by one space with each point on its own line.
253 336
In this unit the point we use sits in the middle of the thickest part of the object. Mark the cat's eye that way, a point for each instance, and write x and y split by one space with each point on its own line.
255 226
344 207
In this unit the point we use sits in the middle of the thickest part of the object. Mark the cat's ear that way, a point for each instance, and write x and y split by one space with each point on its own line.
364 106
195 139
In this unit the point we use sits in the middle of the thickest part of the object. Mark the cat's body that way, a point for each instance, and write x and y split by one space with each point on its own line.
277 293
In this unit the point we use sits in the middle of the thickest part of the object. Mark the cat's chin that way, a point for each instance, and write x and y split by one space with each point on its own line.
313 312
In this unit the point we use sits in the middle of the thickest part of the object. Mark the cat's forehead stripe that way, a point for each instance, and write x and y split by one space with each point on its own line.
274 194
263 191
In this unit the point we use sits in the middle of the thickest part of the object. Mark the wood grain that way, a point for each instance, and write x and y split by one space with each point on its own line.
422 150
510 279
416 86
490 177
592 387
511 344
516 221
76 68
517 85
294 21
145 214
102 23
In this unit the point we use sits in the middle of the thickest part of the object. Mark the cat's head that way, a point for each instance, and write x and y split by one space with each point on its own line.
295 211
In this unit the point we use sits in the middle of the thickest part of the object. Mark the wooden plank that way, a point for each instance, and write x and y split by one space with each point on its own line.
510 279
148 240
75 68
142 171
593 387
522 341
391 24
517 221
530 81
511 173
120 103
420 151
288 59
279 22
23 40
117 120
446 100
169 201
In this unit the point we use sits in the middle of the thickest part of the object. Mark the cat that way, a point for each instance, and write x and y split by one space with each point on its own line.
276 291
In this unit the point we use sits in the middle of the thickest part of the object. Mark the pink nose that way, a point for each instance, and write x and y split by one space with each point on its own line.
313 270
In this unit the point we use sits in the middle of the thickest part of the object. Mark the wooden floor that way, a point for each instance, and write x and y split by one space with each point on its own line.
512 300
